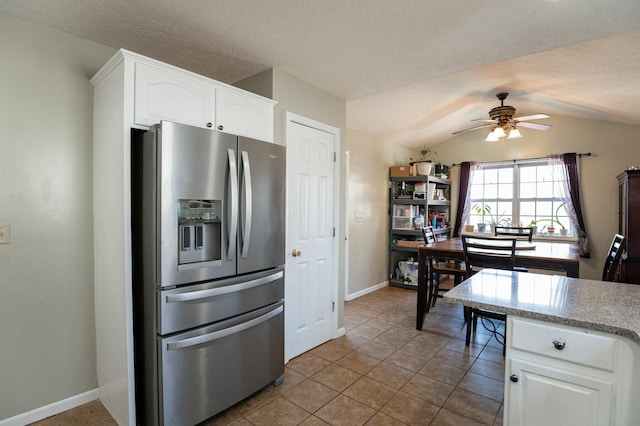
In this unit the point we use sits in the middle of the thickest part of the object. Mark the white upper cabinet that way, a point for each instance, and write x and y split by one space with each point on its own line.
245 115
166 95
163 92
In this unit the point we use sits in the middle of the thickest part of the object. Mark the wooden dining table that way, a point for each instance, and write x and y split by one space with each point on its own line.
552 256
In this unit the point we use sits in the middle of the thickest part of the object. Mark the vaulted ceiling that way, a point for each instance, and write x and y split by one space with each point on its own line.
411 71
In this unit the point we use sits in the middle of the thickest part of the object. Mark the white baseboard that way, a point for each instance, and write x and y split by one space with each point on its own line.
366 291
51 409
340 332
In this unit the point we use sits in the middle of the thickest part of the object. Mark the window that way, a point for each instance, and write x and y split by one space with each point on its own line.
519 194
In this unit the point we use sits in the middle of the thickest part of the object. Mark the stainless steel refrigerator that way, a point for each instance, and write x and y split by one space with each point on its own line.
208 264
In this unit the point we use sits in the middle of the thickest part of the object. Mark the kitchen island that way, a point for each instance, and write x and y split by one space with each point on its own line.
573 346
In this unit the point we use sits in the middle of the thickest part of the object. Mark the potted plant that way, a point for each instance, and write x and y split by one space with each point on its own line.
555 220
424 164
485 211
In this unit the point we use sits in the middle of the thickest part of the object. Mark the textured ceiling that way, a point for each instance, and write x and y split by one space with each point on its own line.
412 71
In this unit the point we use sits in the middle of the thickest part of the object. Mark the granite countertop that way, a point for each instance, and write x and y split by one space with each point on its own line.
594 305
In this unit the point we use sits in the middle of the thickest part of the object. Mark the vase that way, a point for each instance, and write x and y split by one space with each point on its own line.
424 168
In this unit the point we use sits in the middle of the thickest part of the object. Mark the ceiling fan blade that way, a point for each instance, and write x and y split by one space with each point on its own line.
531 117
473 128
484 120
535 126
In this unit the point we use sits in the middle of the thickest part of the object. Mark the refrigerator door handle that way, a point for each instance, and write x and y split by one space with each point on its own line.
212 292
233 220
210 337
248 208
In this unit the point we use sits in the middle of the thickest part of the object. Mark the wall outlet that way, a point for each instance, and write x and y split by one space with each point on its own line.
4 233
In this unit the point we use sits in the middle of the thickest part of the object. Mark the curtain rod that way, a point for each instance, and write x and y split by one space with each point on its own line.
586 154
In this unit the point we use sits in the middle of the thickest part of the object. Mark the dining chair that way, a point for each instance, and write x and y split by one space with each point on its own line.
613 258
487 252
514 231
439 267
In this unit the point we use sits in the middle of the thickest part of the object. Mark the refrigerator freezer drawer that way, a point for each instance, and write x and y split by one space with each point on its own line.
195 305
207 370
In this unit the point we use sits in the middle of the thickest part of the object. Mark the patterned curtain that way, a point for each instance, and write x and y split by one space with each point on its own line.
567 166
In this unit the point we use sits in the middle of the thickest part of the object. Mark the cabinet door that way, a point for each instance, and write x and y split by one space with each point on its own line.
544 395
167 95
244 115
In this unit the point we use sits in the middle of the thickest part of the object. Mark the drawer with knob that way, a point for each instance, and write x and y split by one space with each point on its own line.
563 342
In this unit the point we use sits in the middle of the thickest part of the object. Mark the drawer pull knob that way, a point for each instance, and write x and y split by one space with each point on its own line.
513 378
559 344
209 124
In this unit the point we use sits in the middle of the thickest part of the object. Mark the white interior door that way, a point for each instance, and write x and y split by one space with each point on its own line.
311 281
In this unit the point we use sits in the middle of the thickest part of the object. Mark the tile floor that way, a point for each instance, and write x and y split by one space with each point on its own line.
382 372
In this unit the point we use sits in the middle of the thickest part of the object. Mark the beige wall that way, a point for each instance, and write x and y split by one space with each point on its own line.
46 272
296 96
368 208
614 147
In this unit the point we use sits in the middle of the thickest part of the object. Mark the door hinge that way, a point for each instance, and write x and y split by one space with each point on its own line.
333 306
335 156
334 231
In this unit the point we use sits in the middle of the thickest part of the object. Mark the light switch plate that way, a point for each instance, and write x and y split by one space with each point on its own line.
4 233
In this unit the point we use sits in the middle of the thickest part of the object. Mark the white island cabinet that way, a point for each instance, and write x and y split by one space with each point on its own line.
131 93
563 375
572 346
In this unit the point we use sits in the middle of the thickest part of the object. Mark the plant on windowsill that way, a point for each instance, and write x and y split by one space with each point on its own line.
555 220
485 211
424 164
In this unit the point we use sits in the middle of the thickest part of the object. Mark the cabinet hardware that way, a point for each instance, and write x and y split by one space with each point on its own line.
513 378
209 124
220 127
559 344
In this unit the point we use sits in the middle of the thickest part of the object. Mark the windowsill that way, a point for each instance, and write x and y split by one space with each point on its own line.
555 237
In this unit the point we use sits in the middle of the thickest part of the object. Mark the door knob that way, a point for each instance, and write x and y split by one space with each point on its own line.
513 378
296 253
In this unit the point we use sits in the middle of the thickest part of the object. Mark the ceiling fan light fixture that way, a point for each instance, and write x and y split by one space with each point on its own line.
499 132
514 133
491 137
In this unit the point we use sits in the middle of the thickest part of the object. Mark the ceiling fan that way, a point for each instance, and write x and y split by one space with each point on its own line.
504 124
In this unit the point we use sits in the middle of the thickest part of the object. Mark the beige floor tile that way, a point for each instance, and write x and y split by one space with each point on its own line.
443 372
376 350
336 377
473 406
449 418
407 360
454 358
345 411
392 338
360 363
429 389
370 392
483 385
381 419
488 368
410 409
277 412
351 341
331 351
310 395
366 331
308 364
313 421
390 375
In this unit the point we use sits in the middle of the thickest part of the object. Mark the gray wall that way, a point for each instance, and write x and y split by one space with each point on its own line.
46 272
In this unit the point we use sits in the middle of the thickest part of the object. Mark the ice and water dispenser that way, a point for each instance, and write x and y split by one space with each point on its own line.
199 231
